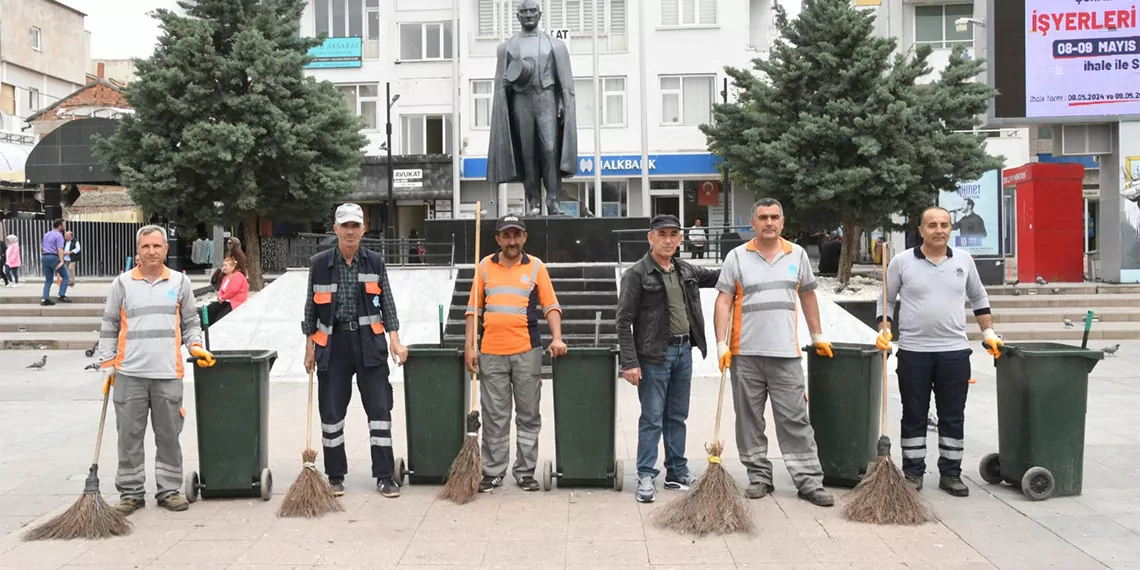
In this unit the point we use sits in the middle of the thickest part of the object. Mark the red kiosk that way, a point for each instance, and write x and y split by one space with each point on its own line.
1050 220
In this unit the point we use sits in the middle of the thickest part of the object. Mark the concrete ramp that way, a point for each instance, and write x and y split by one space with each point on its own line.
271 319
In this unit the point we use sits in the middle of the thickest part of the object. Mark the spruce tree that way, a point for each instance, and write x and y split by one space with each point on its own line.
226 126
841 130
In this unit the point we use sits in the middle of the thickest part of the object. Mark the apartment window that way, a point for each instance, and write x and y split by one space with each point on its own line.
364 100
425 134
934 25
348 19
481 98
37 38
613 102
425 41
687 99
688 12
498 17
33 99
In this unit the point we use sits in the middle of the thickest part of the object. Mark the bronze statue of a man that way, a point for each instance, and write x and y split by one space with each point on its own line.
534 133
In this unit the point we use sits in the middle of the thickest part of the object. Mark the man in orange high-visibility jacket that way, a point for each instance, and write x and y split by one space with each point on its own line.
511 292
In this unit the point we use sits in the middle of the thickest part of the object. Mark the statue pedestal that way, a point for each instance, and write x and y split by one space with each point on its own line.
554 239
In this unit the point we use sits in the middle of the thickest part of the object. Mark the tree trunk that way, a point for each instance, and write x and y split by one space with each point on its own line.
252 242
851 233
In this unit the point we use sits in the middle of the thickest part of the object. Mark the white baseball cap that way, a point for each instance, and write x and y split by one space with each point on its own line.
349 213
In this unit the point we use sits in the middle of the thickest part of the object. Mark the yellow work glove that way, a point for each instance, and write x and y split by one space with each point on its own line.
723 356
822 347
883 341
992 343
205 359
108 378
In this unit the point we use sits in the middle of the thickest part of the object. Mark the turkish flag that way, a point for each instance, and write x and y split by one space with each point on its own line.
709 193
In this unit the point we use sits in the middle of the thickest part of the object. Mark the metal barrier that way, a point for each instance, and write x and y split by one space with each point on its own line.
105 245
402 251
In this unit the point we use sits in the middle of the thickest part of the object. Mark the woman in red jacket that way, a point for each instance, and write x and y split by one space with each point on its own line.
231 294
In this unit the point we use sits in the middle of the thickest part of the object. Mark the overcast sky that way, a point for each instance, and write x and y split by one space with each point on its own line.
120 29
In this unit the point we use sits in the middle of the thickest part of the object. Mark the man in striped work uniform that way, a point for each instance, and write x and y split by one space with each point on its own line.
349 310
511 291
150 314
932 283
762 285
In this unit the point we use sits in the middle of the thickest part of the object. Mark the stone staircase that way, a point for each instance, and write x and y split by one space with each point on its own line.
24 324
1038 312
583 291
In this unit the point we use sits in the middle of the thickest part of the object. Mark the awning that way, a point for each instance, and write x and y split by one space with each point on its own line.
13 156
65 155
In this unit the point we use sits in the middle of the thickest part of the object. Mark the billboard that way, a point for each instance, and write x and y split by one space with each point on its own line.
975 215
337 52
1129 198
1065 60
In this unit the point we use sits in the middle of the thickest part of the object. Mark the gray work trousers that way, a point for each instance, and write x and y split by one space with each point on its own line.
135 399
503 379
754 379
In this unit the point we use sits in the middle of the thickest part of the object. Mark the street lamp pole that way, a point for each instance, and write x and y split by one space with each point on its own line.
393 219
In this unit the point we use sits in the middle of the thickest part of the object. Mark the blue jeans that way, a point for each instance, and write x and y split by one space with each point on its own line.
49 261
664 394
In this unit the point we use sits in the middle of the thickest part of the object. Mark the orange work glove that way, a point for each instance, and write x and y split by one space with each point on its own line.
822 347
724 356
883 341
205 359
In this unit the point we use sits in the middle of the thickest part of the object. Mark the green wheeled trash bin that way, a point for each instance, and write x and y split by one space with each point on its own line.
1042 397
231 402
845 396
585 409
436 386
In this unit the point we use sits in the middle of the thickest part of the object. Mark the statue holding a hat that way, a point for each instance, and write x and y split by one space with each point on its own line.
534 132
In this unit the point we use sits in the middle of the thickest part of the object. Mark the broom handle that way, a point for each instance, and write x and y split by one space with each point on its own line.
883 419
309 421
102 422
478 238
723 375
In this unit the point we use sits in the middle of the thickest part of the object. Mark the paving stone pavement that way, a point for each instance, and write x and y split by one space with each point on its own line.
48 422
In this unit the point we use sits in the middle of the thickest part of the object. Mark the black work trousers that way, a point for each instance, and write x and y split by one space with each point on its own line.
947 374
334 392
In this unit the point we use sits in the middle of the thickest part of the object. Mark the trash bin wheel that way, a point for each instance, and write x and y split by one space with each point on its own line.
547 474
191 487
401 471
619 475
266 485
89 352
990 469
1038 483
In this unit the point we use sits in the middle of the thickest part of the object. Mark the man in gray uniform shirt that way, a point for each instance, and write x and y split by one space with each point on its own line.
933 283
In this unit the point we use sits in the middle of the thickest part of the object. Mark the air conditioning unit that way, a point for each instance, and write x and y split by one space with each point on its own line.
1084 140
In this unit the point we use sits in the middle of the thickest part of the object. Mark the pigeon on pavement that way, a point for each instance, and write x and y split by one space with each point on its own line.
1111 350
1041 280
1068 324
932 422
92 366
39 365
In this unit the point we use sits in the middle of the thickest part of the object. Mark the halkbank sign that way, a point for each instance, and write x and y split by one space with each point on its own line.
623 165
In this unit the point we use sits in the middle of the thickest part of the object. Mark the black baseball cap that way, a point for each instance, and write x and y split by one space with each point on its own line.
661 221
510 221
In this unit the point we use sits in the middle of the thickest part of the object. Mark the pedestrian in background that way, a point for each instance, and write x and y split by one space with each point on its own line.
12 257
232 292
71 253
52 259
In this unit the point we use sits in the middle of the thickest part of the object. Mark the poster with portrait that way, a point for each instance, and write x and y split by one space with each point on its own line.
1129 202
975 224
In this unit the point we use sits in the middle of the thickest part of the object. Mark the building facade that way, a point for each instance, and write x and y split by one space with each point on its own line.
43 57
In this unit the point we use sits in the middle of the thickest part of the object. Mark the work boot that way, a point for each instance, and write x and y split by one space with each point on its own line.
489 483
528 484
681 483
337 484
47 302
818 497
954 486
646 489
129 506
63 299
388 487
758 490
174 502
915 481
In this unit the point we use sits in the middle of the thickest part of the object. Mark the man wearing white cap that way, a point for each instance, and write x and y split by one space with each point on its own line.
349 295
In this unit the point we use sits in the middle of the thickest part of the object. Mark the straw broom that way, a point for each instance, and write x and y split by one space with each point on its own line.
90 516
884 496
467 469
310 495
716 502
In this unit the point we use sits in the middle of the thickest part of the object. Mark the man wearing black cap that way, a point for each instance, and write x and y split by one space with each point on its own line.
511 292
659 321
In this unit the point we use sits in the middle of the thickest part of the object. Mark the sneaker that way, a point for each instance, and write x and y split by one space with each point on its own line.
818 497
915 481
489 483
128 506
528 484
954 486
681 483
337 485
388 488
47 303
174 502
646 489
63 299
758 490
